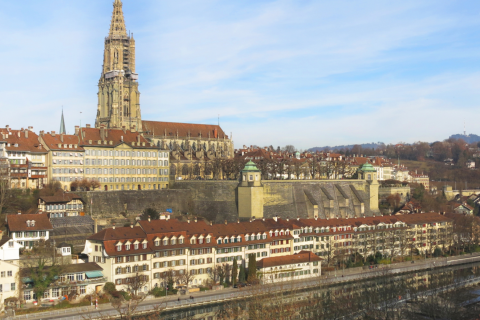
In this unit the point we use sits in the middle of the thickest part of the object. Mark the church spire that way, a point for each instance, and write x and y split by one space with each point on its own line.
62 125
117 26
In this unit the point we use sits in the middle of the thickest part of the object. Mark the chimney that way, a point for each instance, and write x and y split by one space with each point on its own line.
18 134
275 218
26 134
102 132
138 138
211 223
226 222
298 218
19 212
133 128
87 126
195 219
131 225
238 220
95 226
53 133
288 219
61 137
188 220
42 133
316 217
113 224
77 129
149 219
124 129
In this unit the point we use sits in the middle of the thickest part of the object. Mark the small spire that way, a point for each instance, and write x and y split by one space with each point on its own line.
62 125
117 26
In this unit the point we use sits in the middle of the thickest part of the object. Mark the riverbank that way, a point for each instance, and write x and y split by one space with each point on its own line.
210 297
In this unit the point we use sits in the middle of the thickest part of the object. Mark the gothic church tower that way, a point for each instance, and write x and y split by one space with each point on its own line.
118 95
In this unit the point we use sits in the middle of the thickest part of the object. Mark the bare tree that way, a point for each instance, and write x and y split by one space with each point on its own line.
186 278
4 184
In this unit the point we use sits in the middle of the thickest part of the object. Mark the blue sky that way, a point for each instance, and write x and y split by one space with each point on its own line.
307 73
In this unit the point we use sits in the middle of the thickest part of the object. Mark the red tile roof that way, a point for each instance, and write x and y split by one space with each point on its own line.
116 136
18 222
171 129
19 141
53 141
301 257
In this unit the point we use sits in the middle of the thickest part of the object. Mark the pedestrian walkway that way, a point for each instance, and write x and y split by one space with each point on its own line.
197 298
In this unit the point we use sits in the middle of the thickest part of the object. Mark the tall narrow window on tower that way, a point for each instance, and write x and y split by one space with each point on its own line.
118 94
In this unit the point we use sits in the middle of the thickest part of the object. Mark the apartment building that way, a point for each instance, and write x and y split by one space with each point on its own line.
27 229
76 281
61 205
152 248
300 265
121 159
65 157
27 158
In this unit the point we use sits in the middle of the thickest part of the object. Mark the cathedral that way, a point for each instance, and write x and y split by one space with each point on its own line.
119 105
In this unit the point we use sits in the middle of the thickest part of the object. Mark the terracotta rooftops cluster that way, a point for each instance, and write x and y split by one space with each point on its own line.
168 234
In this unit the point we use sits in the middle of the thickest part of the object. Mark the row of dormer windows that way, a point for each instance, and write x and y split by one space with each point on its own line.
127 247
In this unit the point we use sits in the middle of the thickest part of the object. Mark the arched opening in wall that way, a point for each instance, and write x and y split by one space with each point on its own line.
185 170
105 187
139 187
196 170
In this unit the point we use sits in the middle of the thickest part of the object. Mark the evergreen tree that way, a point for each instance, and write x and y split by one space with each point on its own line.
241 275
234 272
252 267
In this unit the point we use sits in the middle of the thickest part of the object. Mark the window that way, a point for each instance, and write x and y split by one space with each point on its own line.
71 277
55 293
135 246
27 295
119 247
3 274
144 246
9 273
127 247
157 243
83 289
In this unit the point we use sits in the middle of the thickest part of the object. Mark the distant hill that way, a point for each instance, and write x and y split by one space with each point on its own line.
471 138
363 145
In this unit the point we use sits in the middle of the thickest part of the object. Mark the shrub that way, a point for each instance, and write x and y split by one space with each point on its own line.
157 292
109 287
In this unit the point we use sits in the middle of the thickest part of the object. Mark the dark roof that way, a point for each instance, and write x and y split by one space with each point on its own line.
301 257
63 244
18 222
61 197
4 239
82 267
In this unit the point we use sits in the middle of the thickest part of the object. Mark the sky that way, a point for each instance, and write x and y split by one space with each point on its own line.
306 73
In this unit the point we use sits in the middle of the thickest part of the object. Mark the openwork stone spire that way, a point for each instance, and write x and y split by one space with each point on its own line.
117 26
